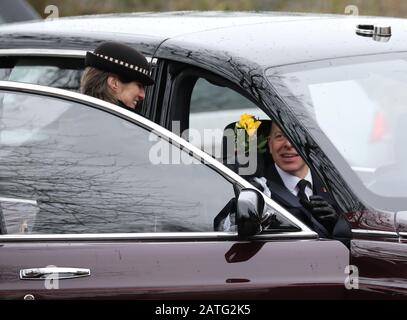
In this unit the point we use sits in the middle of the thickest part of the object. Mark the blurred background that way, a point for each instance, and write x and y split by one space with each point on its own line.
395 8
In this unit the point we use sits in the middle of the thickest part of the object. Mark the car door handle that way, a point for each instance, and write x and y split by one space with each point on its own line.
53 273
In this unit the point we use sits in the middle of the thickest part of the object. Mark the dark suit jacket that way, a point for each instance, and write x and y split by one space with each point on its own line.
284 197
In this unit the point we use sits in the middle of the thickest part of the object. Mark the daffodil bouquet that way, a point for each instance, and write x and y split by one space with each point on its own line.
245 139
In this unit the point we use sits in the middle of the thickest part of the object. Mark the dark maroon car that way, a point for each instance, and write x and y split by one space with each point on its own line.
98 202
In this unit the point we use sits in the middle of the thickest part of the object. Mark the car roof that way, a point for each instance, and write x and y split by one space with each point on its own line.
163 25
265 38
295 41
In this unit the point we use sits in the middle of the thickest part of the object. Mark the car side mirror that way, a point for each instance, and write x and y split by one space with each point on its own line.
249 213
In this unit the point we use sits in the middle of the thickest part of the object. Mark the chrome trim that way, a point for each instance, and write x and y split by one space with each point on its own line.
157 129
382 31
288 235
53 273
14 200
121 236
53 53
163 236
363 169
367 32
44 52
374 233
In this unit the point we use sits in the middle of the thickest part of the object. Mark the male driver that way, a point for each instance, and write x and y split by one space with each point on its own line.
289 181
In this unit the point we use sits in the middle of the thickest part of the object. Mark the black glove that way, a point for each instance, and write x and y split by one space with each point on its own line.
322 211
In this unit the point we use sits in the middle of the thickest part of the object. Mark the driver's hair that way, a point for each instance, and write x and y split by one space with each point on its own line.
94 83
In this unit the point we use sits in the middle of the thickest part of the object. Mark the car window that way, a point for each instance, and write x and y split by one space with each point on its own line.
212 108
359 103
69 168
63 73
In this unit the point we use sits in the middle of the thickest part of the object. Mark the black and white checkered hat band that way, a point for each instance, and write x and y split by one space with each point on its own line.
124 64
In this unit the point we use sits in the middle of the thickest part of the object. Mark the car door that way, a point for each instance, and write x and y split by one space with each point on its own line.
98 202
363 160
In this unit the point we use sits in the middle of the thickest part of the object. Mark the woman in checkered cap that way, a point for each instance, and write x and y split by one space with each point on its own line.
117 74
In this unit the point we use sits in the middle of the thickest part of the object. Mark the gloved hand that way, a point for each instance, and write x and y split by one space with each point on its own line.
322 211
261 184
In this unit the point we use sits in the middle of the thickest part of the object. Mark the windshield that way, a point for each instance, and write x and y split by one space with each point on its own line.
360 105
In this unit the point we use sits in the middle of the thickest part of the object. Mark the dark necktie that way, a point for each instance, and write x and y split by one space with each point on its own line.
302 184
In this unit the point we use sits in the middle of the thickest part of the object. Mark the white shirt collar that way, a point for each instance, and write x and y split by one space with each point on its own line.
291 181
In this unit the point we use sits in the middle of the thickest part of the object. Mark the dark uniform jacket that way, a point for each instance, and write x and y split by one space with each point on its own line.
285 198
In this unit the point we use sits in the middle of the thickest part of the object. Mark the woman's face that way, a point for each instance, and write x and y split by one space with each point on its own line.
129 93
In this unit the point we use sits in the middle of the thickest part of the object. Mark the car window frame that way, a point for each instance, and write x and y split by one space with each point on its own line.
178 76
304 233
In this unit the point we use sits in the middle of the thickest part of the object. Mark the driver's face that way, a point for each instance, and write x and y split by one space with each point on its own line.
284 154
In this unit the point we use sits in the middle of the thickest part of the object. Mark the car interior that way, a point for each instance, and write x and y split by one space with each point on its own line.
47 71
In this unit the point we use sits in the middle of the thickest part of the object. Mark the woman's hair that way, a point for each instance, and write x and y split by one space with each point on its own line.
94 83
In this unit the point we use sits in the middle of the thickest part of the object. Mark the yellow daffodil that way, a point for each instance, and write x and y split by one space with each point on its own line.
250 124
251 129
244 118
